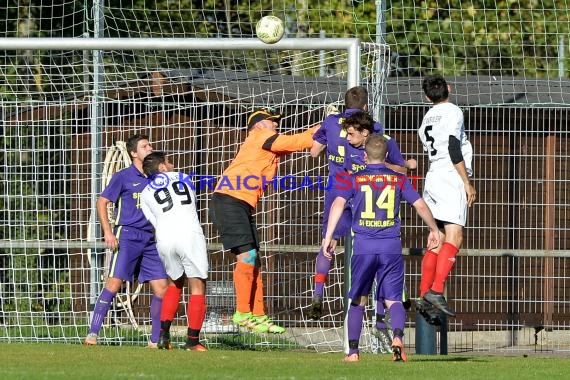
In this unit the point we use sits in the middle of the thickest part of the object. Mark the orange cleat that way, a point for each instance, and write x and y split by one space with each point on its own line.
352 358
398 353
196 347
90 339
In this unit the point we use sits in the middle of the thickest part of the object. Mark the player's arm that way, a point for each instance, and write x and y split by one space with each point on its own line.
319 141
457 159
396 168
283 144
394 158
425 213
110 238
317 148
335 213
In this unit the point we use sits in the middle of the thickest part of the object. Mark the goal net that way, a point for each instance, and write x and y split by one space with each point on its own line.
65 128
66 110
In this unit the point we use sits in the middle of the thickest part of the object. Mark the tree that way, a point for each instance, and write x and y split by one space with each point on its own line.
504 37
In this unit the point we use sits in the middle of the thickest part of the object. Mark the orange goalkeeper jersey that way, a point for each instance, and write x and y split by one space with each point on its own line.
256 162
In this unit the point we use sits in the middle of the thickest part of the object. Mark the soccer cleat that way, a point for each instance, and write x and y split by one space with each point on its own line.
384 340
429 312
315 310
243 319
398 353
264 324
90 339
352 357
195 347
438 301
164 341
406 301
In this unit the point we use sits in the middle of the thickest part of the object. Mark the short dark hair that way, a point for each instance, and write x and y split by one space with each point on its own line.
360 121
356 97
435 88
152 161
376 147
133 141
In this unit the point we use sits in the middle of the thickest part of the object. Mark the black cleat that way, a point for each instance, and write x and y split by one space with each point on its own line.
164 341
430 313
438 301
315 310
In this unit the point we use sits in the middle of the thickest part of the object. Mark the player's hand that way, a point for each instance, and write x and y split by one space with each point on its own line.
471 194
331 109
111 241
411 164
332 246
434 240
328 245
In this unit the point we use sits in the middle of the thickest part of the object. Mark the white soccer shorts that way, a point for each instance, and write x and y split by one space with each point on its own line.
445 195
184 253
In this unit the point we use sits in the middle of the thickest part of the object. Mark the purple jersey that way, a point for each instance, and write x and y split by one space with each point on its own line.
124 190
355 156
375 194
333 136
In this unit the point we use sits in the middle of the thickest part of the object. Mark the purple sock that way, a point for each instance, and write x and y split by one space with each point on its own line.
354 326
155 308
398 316
323 265
319 290
100 311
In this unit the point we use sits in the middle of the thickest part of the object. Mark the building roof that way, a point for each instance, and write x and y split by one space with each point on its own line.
288 90
486 91
466 91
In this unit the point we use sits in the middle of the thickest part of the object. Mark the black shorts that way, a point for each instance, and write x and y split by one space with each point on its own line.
234 220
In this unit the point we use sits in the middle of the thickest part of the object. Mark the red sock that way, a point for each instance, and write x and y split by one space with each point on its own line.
320 278
429 263
196 311
445 263
170 303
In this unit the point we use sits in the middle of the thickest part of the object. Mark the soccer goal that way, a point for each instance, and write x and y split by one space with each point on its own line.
68 106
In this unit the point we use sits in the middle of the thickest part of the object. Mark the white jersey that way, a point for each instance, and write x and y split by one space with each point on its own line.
444 191
440 122
169 203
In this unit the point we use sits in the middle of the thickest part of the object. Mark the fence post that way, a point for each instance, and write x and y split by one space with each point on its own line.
443 334
425 337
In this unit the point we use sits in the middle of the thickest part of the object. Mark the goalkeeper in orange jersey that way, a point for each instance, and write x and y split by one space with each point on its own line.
233 204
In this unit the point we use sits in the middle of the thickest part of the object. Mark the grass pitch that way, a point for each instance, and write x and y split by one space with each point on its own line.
60 361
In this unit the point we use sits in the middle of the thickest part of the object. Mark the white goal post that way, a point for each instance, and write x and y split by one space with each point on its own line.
351 45
76 282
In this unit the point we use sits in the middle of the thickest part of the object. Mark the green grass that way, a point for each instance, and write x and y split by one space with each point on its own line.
60 361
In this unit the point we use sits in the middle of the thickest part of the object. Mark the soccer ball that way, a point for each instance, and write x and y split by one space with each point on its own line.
269 29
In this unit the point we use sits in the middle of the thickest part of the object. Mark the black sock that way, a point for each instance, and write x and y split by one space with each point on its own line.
399 333
353 344
165 326
193 337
